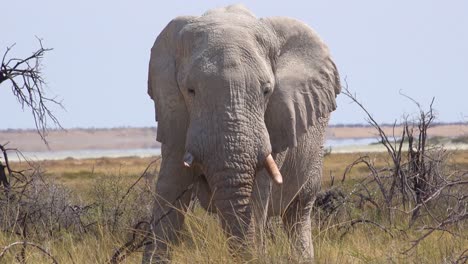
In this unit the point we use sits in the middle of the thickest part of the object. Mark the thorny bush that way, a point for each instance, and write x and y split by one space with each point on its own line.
35 207
418 191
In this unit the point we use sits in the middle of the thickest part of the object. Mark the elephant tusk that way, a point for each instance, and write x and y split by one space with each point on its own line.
188 159
273 171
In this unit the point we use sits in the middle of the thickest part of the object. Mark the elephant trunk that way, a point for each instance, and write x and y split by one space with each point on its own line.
230 171
230 154
232 192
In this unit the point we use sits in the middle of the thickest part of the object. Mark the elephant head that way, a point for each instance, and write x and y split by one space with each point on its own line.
231 90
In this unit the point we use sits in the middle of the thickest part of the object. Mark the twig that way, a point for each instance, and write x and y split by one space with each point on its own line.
463 258
448 221
130 247
117 210
350 166
135 183
366 221
121 253
21 243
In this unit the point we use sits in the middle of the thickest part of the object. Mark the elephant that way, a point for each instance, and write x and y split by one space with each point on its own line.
242 104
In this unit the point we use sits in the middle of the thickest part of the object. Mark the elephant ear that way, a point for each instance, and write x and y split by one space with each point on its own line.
307 83
171 111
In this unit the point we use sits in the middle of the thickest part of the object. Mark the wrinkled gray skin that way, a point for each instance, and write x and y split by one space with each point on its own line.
231 89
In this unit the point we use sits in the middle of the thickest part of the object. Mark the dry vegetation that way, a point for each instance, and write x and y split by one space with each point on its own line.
407 205
99 185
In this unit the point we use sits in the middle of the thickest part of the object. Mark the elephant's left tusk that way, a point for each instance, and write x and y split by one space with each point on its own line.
188 159
273 171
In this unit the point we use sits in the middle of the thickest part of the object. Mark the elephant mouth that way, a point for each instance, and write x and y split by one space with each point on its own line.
269 164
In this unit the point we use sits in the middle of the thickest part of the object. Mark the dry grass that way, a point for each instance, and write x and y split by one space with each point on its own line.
80 174
203 241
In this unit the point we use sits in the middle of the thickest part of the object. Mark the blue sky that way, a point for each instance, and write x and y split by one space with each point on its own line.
101 50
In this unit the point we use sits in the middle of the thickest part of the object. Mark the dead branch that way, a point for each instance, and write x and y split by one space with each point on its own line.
463 258
28 86
364 221
3 177
450 220
350 166
130 246
119 204
26 243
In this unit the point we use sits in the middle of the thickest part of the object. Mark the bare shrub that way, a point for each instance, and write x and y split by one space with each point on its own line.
419 191
34 207
119 205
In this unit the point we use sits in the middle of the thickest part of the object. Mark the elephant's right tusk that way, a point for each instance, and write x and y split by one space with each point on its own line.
188 159
273 171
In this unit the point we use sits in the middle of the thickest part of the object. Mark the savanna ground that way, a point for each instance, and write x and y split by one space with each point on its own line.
102 187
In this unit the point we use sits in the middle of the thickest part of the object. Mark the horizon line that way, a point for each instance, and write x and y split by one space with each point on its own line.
154 127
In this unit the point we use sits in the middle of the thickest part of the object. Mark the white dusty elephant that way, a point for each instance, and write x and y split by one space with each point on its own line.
237 98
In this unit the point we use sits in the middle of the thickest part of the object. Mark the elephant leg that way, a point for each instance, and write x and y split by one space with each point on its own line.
204 194
173 196
297 224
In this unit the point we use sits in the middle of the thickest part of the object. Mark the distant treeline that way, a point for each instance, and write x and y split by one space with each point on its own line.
391 124
15 130
92 129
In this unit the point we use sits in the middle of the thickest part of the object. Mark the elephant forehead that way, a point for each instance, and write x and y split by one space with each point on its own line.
223 46
216 38
224 66
223 29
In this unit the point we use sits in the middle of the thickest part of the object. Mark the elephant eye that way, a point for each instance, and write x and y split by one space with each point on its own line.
191 91
266 88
